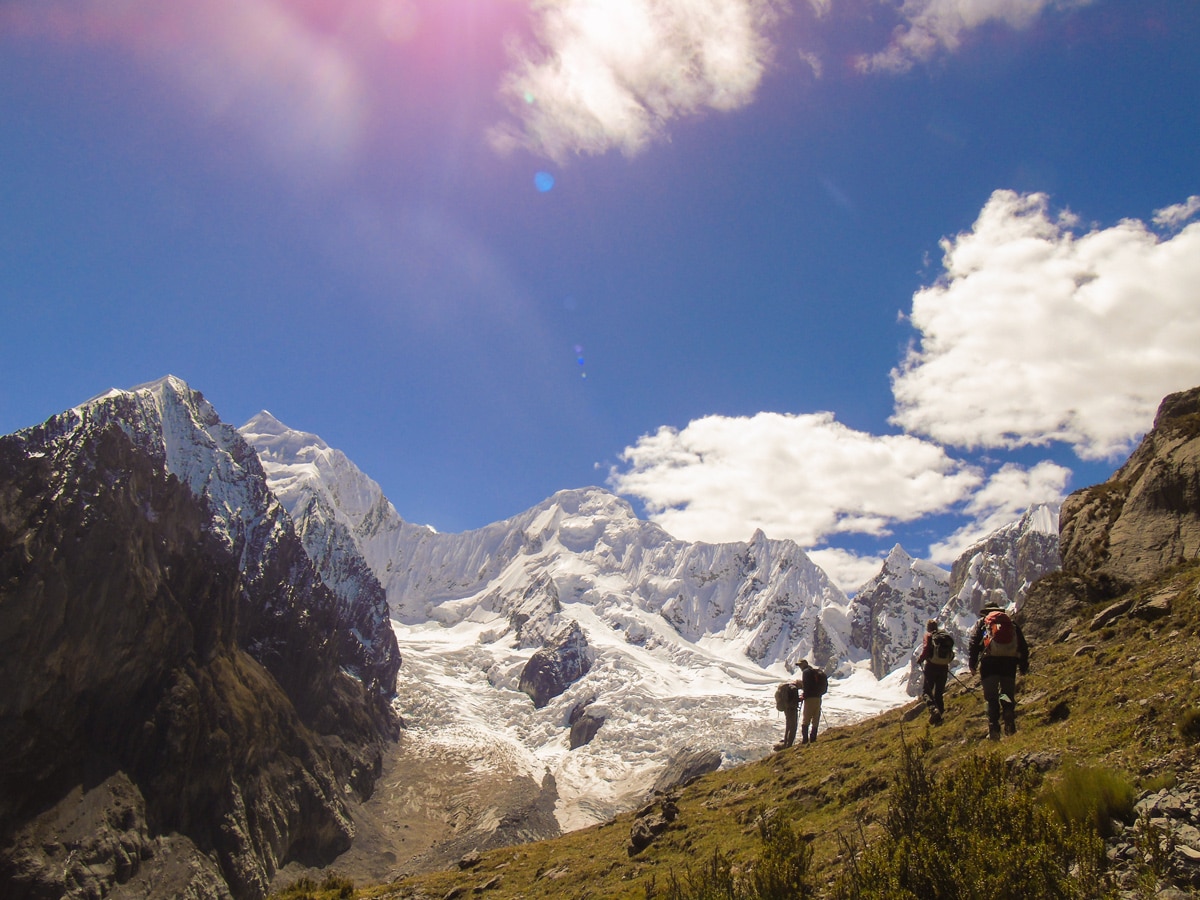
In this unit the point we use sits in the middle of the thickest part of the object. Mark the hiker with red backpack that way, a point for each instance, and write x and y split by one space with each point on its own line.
937 652
998 650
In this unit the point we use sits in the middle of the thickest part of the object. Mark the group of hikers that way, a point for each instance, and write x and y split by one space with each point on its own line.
996 649
806 691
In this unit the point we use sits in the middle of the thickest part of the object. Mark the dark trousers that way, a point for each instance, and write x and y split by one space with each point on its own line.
1000 692
934 685
789 726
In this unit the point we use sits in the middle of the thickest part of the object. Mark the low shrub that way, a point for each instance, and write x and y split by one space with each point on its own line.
331 887
1189 725
781 871
974 831
1092 796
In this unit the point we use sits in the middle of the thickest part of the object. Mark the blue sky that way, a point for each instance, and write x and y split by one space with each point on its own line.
852 272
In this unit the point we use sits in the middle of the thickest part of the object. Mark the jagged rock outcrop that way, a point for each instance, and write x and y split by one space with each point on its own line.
1146 517
172 669
1003 566
564 659
651 821
685 766
585 725
888 613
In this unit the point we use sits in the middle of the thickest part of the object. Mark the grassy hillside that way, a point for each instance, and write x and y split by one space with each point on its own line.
1110 699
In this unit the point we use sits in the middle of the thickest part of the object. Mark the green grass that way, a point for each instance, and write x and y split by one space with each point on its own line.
1096 715
331 887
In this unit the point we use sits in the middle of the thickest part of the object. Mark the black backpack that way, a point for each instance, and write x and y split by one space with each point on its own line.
941 647
820 682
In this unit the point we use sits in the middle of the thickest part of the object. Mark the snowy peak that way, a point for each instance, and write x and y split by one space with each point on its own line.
177 427
1001 567
889 612
1042 518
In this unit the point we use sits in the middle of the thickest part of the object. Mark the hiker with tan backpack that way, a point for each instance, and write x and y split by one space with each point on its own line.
787 701
998 650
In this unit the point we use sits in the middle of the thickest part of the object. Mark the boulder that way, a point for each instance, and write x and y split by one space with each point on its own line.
584 725
562 661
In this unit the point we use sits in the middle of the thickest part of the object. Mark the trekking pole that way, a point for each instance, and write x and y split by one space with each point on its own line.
969 687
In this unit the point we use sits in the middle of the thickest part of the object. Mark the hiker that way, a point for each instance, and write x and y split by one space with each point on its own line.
787 699
937 652
998 650
813 684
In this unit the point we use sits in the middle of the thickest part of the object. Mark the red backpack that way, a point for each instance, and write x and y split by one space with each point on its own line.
999 634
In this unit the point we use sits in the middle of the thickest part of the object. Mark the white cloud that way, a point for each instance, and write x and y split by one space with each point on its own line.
933 26
611 73
1004 499
845 569
1174 216
803 477
1035 333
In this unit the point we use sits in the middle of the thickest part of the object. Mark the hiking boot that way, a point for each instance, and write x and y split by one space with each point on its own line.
1010 725
993 732
935 718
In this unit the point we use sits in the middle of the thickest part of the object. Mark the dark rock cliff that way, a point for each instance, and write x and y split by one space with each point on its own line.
1146 517
193 708
562 661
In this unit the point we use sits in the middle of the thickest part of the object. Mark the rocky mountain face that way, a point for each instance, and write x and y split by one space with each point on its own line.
1146 517
185 704
561 661
1003 566
889 612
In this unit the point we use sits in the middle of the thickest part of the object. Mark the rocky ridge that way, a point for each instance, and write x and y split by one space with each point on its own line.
1146 517
181 692
889 612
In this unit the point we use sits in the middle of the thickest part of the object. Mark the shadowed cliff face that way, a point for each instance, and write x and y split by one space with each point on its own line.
1146 517
130 642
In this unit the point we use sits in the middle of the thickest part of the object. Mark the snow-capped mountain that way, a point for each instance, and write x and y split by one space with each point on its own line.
176 425
765 597
1001 567
672 646
176 680
889 612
